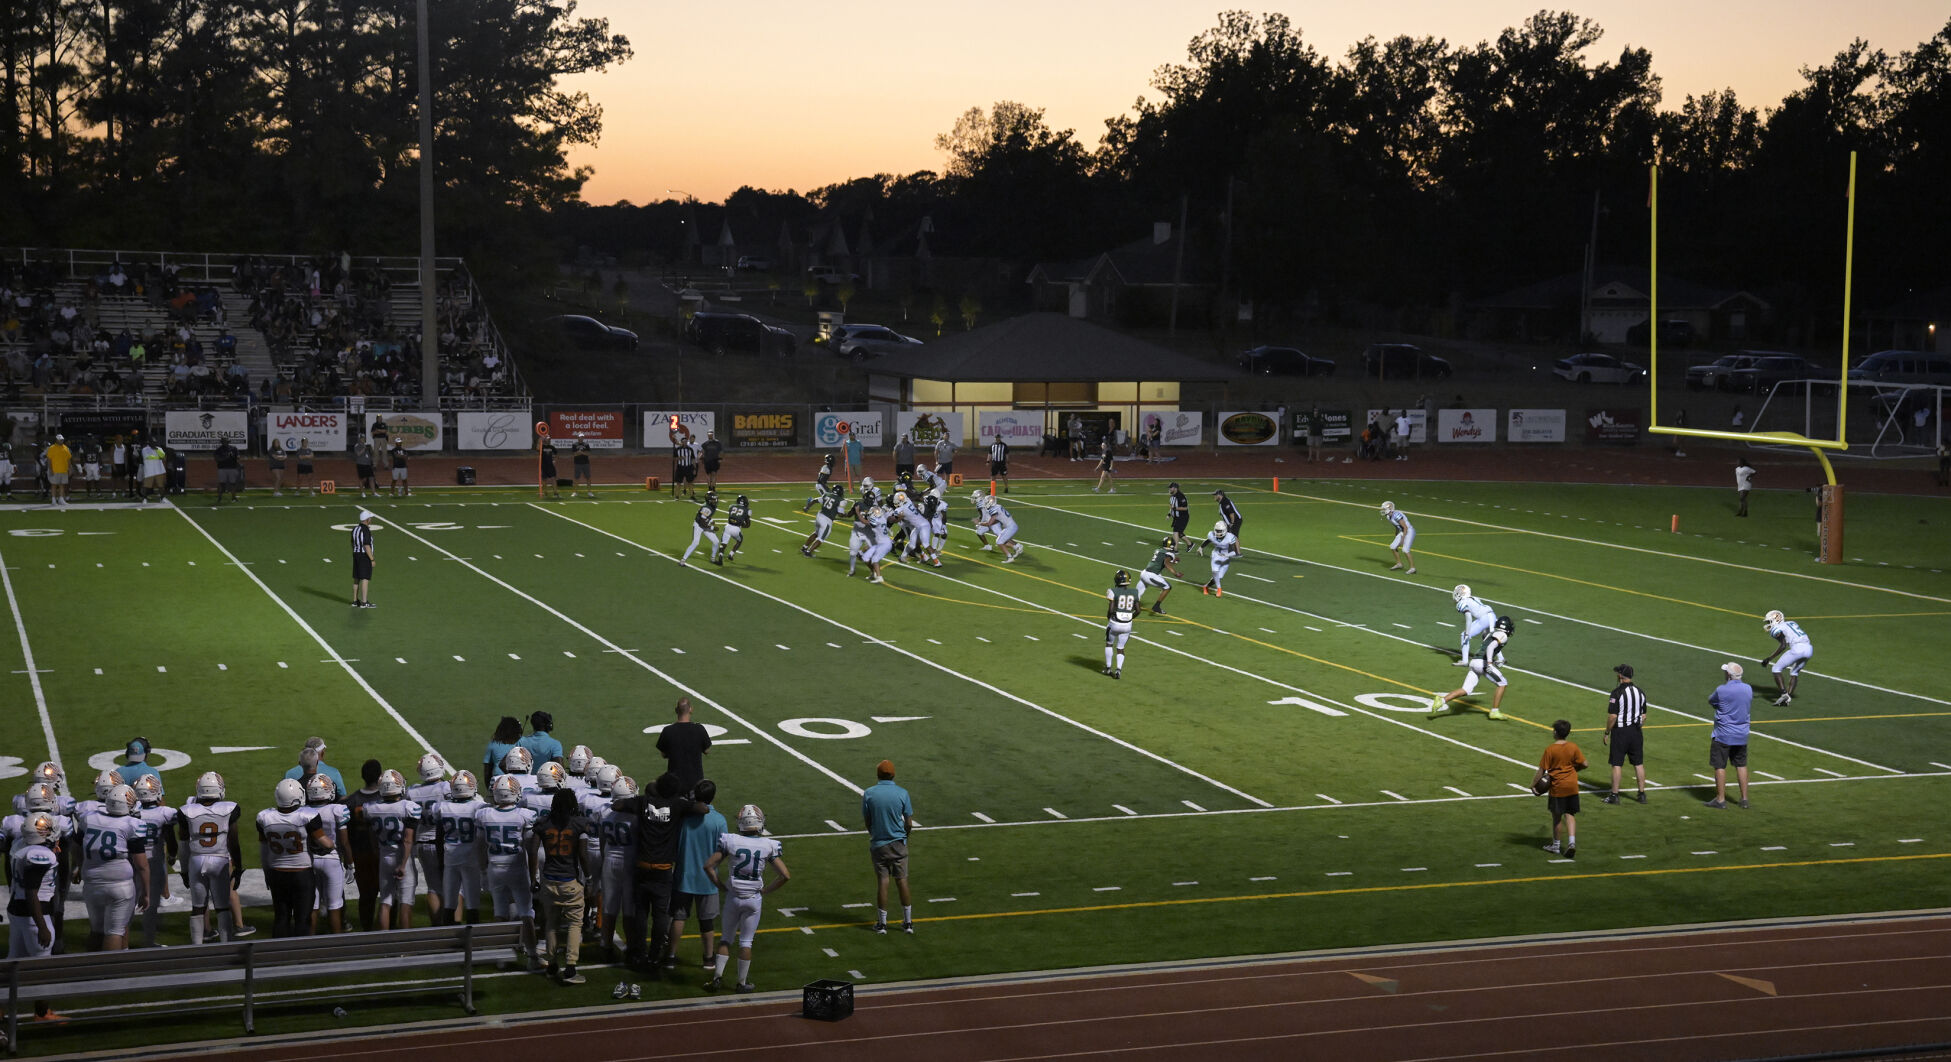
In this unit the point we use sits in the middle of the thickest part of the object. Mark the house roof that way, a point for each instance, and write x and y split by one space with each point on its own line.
1140 263
1045 347
1564 289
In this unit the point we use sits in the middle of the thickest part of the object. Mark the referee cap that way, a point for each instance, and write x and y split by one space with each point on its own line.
365 514
1623 671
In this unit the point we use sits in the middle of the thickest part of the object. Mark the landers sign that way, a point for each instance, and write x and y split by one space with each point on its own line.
322 431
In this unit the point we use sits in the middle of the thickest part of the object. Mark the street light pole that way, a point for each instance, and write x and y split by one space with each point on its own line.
429 319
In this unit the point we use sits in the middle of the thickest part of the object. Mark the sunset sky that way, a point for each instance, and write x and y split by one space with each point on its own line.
800 94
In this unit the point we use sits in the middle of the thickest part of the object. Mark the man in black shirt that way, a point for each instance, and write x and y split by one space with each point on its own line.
999 460
658 818
549 470
579 456
1229 513
1624 740
1180 510
230 471
710 454
362 559
683 745
684 468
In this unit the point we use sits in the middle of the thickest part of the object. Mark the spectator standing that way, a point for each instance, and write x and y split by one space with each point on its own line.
1744 481
697 890
1679 421
1315 424
508 734
541 745
230 470
304 461
1075 429
944 456
549 481
1731 701
1624 737
890 814
362 560
579 457
316 746
1561 763
136 755
60 461
852 448
155 469
1738 420
560 835
1404 426
275 461
1155 442
118 463
999 460
904 458
683 745
1944 464
710 454
1107 475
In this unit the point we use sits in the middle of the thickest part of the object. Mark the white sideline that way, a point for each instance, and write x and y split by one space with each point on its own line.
33 673
425 745
631 656
923 660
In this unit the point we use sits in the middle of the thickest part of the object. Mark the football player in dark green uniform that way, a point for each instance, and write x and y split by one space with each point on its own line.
1164 559
1121 610
737 519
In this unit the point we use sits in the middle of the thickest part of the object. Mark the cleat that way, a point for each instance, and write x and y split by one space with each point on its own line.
909 927
1552 847
636 991
1571 851
1494 714
1642 796
1156 610
1438 705
745 986
1717 803
571 977
714 984
880 929
1395 567
1411 571
1115 673
1783 699
1609 798
620 990
1459 663
1217 592
1744 802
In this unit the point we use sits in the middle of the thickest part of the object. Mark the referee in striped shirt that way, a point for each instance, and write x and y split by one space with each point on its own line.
1625 711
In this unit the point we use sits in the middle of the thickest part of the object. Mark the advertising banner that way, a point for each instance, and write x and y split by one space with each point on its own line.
201 430
1246 428
420 433
323 431
830 428
1019 427
1615 427
102 423
1178 427
764 431
1535 425
665 428
1336 425
1466 425
507 429
926 428
602 429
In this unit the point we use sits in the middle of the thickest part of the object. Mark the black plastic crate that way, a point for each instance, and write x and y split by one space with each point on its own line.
464 476
828 1000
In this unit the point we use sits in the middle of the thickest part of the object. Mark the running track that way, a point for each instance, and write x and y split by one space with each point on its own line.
1875 987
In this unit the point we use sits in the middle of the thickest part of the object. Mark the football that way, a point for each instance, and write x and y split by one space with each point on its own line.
1541 786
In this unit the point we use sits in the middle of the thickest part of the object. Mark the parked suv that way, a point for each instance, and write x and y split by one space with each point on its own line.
1714 373
1765 373
1904 366
742 332
1402 359
862 341
1284 361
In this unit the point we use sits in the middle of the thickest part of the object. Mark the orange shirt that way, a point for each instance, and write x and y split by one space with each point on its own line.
1562 762
58 459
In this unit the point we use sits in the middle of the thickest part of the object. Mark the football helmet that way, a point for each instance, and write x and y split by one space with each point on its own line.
742 501
596 763
518 761
606 778
866 483
320 790
38 828
104 782
579 758
432 767
625 786
1123 578
51 773
148 790
1388 507
120 800
1462 591
40 797
210 786
1219 527
462 788
900 497
750 819
826 459
1168 542
1504 624
1774 616
392 784
506 791
289 794
550 775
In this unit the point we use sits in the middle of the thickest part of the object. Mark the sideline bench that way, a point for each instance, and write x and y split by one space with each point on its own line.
250 963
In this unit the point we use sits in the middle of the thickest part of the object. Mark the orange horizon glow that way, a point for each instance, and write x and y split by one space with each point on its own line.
796 96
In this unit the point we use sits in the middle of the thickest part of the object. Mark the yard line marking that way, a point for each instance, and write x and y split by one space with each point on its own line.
1407 870
399 659
1632 857
1823 770
1025 702
1710 851
986 641
425 745
854 905
1703 777
1528 619
1405 626
631 656
1490 864
1073 634
1774 848
1316 630
1014 894
512 656
33 676
836 825
569 654
676 650
1124 809
1397 796
1033 637
1527 789
1056 813
1946 766
981 816
1455 790
731 649
1255 578
932 641
1269 630
1327 798
1340 874
856 975
1182 884
98 671
1842 844
1443 623
460 658
836 645
1909 840
1266 877
1192 805
830 953
1108 888
1776 777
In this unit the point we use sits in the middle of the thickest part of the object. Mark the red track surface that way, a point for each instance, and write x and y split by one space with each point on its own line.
1778 991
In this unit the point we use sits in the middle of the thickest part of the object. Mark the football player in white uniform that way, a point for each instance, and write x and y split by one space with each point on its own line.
50 774
1223 548
431 789
1486 665
704 528
1405 537
1477 618
33 867
213 856
459 844
750 853
1003 526
330 868
1790 655
114 869
880 543
578 769
921 540
1123 608
104 782
287 835
393 820
548 778
617 836
519 764
507 832
159 841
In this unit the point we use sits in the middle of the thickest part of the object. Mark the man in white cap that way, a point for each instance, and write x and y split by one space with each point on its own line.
1731 701
60 461
362 559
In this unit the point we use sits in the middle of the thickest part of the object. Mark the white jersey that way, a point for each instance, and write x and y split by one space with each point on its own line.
1225 545
1790 634
107 841
426 794
748 857
156 821
618 831
64 805
389 820
285 834
331 818
27 860
452 824
528 782
207 827
1476 610
505 833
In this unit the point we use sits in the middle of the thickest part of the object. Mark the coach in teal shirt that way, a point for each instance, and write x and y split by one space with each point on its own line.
889 815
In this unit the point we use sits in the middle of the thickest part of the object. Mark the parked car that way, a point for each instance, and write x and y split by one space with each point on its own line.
1597 368
1714 373
753 263
862 341
827 274
1763 376
1904 366
1284 361
1402 359
742 332
588 333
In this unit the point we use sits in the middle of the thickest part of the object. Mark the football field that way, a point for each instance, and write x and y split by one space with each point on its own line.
1264 776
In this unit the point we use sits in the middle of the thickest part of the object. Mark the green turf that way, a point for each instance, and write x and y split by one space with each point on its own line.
1031 772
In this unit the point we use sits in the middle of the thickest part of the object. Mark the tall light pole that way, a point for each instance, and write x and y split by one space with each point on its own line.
429 319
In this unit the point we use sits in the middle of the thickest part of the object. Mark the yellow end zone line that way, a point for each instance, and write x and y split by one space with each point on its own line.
1568 579
1370 889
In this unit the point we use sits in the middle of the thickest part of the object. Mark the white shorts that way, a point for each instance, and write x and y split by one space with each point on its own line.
509 887
110 905
1115 633
1485 669
1220 565
397 891
881 548
742 918
399 473
1005 531
460 885
1403 539
6 471
328 883
822 526
210 881
1793 659
1153 579
91 471
616 889
1475 625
